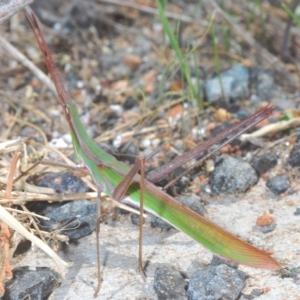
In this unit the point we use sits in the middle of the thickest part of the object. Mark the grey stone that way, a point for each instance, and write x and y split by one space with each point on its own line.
294 157
234 82
232 175
216 282
75 219
264 162
278 184
169 284
31 284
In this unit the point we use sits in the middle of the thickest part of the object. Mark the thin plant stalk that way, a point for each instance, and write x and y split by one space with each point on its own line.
179 55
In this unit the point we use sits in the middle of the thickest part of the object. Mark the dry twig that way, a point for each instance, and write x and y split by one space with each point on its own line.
6 272
271 128
9 220
154 11
16 54
10 7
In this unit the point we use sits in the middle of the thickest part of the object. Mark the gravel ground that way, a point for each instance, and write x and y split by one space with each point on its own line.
119 242
105 71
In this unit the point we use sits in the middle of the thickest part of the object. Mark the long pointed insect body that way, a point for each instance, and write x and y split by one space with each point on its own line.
122 183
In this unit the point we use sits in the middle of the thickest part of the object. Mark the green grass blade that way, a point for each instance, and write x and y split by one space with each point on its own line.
175 46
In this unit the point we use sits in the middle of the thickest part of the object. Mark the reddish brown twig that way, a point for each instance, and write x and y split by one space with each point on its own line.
6 272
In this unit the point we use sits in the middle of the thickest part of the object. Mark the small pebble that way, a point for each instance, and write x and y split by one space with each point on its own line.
169 284
294 157
218 260
241 114
130 103
58 143
294 272
264 162
31 284
62 182
192 202
132 61
257 292
23 247
157 222
262 83
286 273
278 184
135 219
232 175
268 228
75 219
120 71
234 85
265 219
297 212
216 282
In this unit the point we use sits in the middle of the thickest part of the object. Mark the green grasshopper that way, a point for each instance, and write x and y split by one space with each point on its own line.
124 184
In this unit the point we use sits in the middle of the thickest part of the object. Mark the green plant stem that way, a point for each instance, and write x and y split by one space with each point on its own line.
175 46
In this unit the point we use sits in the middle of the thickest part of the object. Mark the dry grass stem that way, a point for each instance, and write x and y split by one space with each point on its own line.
32 221
17 226
53 236
26 213
20 102
13 223
16 54
154 11
271 129
27 187
9 8
110 134
11 145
